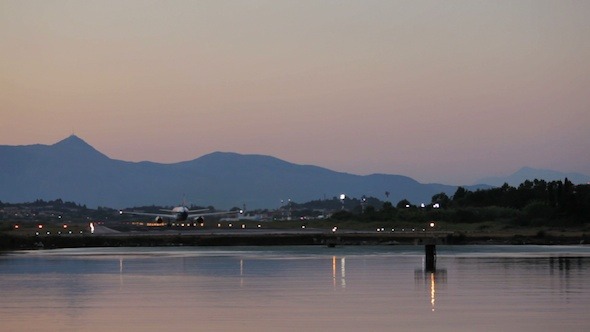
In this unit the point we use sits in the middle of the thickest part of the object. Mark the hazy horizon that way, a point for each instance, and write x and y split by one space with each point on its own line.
445 92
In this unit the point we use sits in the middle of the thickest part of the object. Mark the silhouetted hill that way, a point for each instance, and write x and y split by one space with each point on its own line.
74 171
528 173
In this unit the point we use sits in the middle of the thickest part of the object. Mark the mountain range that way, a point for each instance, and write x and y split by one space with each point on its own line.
74 171
528 173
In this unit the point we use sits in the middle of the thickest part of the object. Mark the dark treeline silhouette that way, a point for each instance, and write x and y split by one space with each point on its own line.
534 203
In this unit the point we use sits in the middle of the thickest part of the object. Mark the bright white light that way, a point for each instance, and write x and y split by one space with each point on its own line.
436 205
334 229
342 196
91 228
422 205
432 224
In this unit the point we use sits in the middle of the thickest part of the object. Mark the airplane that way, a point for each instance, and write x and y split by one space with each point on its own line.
179 213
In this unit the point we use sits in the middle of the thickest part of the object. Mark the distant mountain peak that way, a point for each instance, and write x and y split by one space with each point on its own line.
72 140
74 144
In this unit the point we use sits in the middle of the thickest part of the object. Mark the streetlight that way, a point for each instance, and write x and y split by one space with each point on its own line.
363 203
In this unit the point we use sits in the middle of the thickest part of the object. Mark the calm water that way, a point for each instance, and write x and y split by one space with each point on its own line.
475 288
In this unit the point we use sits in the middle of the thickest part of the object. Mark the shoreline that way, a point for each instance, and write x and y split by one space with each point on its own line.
19 242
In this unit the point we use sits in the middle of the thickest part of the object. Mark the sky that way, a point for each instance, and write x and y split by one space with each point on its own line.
441 91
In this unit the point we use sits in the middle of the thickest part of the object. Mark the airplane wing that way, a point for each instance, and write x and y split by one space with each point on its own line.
196 215
162 215
199 210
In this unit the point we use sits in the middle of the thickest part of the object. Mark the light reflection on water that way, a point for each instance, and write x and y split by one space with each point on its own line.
372 288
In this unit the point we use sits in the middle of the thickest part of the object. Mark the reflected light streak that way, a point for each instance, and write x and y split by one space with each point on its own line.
121 271
432 290
241 273
342 271
334 271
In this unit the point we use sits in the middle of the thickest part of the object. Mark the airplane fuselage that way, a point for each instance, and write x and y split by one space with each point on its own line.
181 213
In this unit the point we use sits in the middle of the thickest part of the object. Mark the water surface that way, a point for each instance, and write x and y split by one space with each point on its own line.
369 288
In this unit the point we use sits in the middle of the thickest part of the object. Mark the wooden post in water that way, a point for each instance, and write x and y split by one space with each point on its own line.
430 254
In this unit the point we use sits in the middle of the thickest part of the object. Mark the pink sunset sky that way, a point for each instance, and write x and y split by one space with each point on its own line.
441 91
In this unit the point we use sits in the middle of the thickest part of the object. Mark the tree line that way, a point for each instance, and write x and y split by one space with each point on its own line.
532 203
